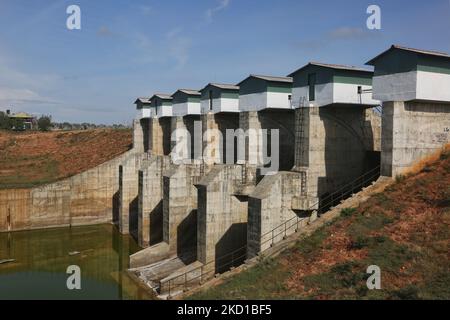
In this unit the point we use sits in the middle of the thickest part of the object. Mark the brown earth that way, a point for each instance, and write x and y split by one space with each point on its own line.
405 230
29 159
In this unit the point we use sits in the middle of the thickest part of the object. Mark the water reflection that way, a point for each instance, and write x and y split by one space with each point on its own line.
42 257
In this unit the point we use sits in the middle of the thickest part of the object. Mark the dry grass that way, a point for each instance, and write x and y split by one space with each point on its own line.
32 158
405 230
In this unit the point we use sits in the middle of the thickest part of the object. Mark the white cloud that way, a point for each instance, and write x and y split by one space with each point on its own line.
11 97
212 11
19 88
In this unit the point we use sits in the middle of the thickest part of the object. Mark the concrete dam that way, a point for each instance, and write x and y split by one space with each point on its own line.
219 175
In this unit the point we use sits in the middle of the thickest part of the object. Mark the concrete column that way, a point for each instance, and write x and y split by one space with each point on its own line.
271 215
251 129
138 136
411 131
128 194
212 139
156 137
334 145
150 203
222 219
180 141
180 208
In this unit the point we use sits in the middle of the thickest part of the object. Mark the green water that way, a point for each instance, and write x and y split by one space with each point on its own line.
42 257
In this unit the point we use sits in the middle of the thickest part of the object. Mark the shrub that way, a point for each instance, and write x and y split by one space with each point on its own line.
5 122
44 123
347 212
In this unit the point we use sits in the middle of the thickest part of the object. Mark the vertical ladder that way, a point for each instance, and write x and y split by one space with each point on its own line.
302 138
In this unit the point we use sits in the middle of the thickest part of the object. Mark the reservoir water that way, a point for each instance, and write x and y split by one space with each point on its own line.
41 257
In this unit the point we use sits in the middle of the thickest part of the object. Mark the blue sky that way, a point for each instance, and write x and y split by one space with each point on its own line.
134 48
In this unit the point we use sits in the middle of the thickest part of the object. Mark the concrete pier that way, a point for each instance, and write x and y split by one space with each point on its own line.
180 208
411 131
222 218
159 136
128 194
334 145
150 200
272 203
186 139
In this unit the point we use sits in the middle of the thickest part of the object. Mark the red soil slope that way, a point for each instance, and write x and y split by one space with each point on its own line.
32 158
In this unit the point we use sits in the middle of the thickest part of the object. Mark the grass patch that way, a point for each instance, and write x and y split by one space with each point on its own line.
348 212
363 225
311 244
264 281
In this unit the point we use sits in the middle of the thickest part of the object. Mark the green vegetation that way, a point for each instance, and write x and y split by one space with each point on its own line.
44 123
264 281
404 230
5 123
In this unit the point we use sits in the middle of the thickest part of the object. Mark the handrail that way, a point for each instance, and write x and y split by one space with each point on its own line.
325 202
376 169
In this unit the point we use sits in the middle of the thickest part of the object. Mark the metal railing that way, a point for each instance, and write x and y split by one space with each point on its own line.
235 258
206 271
323 205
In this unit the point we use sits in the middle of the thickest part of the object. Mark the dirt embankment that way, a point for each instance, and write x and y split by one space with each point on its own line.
404 230
29 159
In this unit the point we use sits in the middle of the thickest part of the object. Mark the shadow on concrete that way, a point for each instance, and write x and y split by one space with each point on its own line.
115 208
156 224
349 147
145 124
228 120
234 242
187 238
133 217
284 121
165 124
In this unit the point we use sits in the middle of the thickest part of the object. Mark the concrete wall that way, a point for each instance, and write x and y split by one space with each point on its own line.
128 194
159 139
411 131
215 142
334 145
269 206
138 135
264 100
412 85
144 113
180 208
257 147
186 139
150 200
87 198
220 105
186 108
332 92
222 218
163 111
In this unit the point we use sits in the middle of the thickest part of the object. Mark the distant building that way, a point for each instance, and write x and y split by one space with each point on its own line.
22 120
